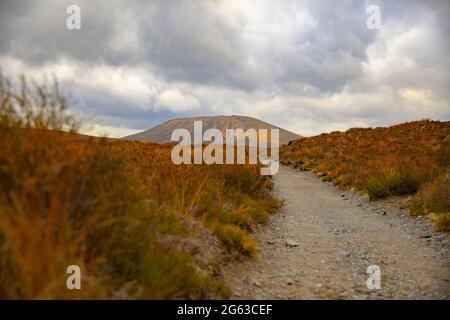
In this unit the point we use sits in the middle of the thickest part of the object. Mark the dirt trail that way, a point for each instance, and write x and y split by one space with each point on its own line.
321 243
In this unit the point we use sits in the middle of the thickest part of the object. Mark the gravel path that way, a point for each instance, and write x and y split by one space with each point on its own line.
321 243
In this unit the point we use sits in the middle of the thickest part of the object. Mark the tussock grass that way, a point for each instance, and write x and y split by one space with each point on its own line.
434 198
406 159
138 226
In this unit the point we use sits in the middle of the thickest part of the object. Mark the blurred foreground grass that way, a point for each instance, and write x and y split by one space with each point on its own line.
139 226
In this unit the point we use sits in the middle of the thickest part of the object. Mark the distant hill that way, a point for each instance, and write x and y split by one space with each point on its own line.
161 133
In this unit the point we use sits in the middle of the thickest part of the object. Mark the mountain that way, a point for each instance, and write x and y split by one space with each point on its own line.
162 132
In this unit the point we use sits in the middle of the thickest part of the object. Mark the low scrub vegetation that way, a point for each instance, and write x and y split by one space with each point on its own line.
407 159
433 198
137 225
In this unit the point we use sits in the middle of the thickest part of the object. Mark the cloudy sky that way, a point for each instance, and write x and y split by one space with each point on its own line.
308 66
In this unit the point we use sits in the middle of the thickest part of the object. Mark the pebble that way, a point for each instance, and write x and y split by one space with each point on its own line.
342 253
291 243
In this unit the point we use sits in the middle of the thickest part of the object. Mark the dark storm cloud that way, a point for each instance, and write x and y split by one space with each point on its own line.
198 45
36 32
192 41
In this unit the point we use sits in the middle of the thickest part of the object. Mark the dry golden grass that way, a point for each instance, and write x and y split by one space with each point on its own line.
137 225
433 198
410 158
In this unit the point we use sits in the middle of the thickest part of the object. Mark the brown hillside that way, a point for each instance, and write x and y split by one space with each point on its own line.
161 133
403 159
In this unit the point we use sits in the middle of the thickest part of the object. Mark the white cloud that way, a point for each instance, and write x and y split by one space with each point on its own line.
175 101
130 83
106 131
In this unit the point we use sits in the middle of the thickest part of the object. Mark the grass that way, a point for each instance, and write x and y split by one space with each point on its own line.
433 199
139 226
406 159
237 239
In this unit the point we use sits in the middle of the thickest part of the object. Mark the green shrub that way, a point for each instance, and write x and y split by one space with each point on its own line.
236 240
434 196
442 222
377 188
393 181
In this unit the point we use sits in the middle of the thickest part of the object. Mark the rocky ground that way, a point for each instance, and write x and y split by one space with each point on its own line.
320 245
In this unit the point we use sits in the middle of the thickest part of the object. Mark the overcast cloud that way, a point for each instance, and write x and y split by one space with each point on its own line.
307 66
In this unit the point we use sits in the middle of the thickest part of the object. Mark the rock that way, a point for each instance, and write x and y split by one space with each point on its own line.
257 283
289 282
271 242
343 195
342 253
291 243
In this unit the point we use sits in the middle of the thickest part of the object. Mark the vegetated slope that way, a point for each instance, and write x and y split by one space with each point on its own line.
161 133
137 225
409 158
